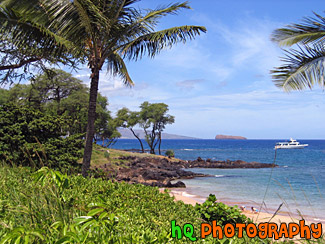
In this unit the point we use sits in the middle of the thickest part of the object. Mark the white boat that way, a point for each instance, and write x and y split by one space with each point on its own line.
292 144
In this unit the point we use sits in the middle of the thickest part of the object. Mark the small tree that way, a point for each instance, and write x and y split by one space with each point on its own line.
153 119
128 119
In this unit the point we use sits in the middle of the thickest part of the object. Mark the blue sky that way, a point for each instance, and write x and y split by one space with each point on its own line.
220 82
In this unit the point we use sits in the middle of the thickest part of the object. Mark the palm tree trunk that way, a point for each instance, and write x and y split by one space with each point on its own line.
91 121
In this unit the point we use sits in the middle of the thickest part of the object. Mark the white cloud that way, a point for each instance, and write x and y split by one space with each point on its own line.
193 56
189 84
250 43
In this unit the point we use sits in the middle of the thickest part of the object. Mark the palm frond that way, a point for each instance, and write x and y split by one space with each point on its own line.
116 66
86 22
311 30
68 19
28 28
302 69
151 17
152 43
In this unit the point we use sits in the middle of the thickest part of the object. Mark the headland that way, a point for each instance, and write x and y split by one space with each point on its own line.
156 170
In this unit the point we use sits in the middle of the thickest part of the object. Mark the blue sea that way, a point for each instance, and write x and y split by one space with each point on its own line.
298 184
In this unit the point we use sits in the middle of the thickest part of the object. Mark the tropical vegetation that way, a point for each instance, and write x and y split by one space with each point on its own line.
31 138
58 93
26 46
101 33
303 66
47 206
223 214
43 199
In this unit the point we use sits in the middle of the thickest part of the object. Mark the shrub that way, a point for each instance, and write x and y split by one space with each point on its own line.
212 210
29 137
170 153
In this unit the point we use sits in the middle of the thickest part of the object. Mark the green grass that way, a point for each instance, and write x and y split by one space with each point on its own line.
98 157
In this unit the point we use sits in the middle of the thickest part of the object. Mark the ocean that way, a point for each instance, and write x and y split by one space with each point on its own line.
297 185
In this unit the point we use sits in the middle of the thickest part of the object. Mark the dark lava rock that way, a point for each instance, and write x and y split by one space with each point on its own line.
228 164
178 184
160 171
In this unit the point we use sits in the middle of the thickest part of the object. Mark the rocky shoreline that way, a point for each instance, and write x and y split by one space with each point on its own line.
160 171
228 164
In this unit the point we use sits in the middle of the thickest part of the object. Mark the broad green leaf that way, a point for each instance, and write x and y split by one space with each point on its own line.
95 211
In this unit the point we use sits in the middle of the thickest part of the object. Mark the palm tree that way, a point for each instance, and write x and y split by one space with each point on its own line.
25 44
303 66
105 32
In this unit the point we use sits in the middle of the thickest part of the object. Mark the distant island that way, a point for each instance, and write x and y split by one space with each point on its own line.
225 137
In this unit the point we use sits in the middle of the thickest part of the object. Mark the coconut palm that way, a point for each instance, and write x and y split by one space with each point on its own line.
304 65
25 43
104 33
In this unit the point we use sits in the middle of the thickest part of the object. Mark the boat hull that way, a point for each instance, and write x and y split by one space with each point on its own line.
291 147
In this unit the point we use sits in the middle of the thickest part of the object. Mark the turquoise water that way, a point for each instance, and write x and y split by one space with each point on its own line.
298 183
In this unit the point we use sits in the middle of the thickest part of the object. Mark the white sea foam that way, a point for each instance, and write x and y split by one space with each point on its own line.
187 195
219 176
187 149
319 220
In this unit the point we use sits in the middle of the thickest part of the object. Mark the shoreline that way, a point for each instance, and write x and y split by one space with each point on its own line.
180 194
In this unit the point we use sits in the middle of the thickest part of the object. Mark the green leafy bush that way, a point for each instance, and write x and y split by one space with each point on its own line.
30 138
212 210
170 153
50 207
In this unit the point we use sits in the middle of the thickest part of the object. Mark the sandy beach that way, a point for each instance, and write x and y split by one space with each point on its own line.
259 217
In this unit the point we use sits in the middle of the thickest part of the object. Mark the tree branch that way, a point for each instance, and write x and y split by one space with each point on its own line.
20 64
